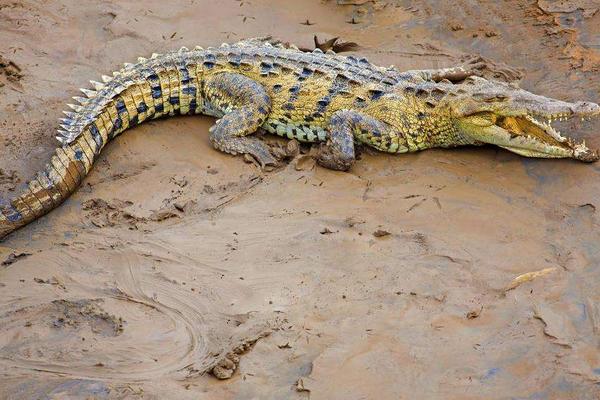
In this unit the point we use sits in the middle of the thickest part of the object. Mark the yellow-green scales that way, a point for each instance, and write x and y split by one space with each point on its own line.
312 97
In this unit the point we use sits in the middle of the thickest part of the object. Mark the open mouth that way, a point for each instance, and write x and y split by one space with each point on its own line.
533 138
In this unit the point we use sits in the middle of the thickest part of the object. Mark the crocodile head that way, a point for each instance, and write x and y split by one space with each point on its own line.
517 120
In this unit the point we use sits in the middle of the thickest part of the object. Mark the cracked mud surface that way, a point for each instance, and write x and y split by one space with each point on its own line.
174 261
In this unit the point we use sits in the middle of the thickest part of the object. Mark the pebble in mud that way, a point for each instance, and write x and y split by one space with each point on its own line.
226 367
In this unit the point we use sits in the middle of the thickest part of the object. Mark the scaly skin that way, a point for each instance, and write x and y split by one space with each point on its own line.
312 97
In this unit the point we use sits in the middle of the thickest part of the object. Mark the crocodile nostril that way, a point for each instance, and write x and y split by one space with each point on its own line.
584 107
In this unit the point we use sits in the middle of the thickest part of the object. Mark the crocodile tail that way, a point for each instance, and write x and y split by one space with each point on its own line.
159 86
50 187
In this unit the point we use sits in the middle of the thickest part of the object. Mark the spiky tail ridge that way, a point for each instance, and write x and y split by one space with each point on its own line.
160 86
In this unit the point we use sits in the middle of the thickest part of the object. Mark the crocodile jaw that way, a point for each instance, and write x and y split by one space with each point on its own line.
528 137
524 134
541 139
503 114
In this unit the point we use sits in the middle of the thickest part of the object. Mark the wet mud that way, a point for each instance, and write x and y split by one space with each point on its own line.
449 274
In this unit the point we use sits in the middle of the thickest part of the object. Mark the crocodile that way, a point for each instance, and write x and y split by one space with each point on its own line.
315 97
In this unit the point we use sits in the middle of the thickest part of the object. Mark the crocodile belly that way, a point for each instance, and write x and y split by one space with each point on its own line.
303 132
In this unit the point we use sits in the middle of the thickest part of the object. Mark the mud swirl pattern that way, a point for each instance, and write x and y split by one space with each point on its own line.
108 336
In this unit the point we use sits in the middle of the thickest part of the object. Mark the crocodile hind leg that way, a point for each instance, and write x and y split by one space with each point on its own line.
245 106
474 66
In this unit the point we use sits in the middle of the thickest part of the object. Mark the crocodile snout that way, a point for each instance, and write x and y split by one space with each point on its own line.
585 108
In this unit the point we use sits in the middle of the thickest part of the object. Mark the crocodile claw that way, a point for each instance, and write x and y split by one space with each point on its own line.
263 157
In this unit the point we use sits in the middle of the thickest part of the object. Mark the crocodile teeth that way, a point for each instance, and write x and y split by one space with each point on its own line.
89 93
154 55
267 44
69 114
106 78
548 128
80 100
97 85
183 49
128 65
224 44
198 48
61 139
294 47
116 73
142 59
74 107
64 120
65 127
318 50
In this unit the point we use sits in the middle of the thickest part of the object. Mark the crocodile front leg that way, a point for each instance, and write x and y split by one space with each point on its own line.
347 125
245 105
337 152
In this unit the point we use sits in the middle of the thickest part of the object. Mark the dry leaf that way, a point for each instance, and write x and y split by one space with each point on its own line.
526 277
335 45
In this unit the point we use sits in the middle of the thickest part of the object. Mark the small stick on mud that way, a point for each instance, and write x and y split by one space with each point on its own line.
529 276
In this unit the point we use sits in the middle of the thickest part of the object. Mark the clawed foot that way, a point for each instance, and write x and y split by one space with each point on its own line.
262 155
327 157
474 65
479 66
253 147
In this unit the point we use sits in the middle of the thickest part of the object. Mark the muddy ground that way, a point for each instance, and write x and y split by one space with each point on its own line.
391 281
